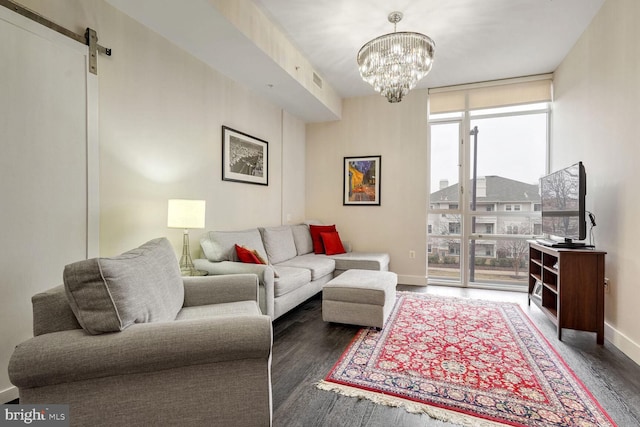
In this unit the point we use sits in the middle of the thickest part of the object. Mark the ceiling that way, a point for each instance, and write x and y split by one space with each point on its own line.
476 40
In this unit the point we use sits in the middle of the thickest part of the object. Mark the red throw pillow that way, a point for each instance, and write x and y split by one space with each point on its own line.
332 243
248 255
315 230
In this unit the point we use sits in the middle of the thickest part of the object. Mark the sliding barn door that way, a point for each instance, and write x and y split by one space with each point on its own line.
48 170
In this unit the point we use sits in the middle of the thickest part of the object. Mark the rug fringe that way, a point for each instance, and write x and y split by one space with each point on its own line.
408 405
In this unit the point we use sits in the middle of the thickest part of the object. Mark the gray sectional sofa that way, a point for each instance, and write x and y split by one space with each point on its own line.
293 272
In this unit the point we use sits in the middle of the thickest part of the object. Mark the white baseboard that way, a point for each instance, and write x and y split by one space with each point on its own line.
623 342
8 395
412 280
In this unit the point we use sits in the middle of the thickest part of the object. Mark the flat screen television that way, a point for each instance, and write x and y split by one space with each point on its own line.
562 195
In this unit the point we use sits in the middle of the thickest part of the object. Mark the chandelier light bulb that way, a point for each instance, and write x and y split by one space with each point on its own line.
394 63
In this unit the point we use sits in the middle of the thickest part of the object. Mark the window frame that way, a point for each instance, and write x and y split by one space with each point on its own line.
464 119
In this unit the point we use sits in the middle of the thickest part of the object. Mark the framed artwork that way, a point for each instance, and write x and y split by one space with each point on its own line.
244 158
362 181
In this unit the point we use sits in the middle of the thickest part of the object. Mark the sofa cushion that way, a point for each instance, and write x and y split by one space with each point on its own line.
221 245
315 231
332 243
291 278
139 286
362 261
302 239
318 265
279 244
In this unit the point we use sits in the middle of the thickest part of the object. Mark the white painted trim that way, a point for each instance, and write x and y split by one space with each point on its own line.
9 394
622 342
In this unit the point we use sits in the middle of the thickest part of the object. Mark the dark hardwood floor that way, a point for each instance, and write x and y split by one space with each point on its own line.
305 348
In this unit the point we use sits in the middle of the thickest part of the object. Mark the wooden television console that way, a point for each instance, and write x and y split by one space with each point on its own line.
568 286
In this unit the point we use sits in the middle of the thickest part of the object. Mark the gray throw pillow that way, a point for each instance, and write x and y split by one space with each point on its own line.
302 239
279 244
139 286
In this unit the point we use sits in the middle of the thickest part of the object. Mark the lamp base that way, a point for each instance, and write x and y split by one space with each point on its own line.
186 263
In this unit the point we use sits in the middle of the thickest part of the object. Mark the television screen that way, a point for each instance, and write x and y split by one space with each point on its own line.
562 195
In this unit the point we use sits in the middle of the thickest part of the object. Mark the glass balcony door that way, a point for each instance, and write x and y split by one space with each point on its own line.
477 233
445 218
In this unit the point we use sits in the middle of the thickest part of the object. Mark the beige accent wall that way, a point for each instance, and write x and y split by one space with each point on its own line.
161 113
398 132
595 119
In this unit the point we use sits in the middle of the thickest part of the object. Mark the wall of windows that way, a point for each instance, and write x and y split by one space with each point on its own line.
485 163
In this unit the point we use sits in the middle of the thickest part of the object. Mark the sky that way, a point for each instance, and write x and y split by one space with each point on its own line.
512 147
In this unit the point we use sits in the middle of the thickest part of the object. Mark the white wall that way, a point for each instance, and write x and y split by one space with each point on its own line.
596 110
161 112
398 132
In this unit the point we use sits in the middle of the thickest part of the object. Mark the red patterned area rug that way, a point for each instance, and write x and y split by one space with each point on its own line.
469 362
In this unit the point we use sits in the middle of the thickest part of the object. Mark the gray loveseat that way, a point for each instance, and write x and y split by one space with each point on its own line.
128 341
293 272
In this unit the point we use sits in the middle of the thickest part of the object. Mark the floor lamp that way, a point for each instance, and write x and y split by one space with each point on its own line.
186 214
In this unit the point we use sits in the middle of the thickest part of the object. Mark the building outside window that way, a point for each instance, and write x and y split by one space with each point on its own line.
537 229
478 230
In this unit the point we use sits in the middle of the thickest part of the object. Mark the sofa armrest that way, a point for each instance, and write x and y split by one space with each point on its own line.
265 273
68 356
204 290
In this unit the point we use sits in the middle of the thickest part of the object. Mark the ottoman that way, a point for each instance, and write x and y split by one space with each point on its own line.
359 297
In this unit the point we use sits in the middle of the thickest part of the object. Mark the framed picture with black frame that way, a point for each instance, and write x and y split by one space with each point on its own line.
245 158
361 181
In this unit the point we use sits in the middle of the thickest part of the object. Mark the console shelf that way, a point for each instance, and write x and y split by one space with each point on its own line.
568 286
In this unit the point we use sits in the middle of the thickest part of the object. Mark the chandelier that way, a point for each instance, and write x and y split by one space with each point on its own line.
393 63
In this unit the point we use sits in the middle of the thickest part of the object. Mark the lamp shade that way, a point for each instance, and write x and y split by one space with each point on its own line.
186 213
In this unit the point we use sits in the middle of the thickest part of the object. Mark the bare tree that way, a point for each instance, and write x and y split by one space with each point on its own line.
443 246
450 226
560 192
515 249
